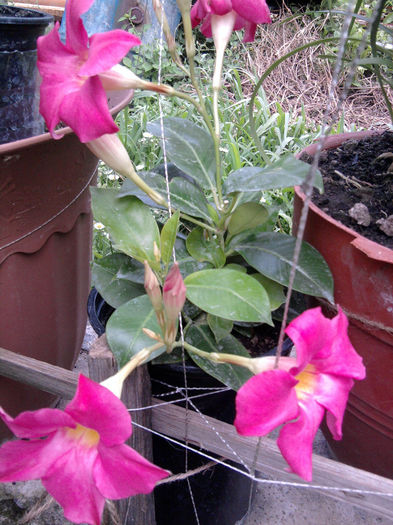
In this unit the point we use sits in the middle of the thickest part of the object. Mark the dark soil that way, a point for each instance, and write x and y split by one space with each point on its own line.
261 339
352 174
18 12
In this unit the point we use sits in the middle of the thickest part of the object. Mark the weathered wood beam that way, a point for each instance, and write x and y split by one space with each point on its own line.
171 420
136 393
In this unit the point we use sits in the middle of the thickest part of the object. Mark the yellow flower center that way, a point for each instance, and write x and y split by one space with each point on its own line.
307 382
86 436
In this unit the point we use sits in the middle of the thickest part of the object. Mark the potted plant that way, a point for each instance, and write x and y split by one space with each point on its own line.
351 227
45 225
235 269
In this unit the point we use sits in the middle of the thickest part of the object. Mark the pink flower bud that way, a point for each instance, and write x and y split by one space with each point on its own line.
153 290
174 296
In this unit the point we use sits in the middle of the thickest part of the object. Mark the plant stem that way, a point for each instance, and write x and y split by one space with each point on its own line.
198 223
216 357
115 382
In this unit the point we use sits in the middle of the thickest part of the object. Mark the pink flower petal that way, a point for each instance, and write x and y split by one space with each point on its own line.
76 35
221 7
94 406
86 111
39 423
106 50
255 11
324 343
70 481
24 460
249 32
120 472
295 440
264 402
332 393
54 59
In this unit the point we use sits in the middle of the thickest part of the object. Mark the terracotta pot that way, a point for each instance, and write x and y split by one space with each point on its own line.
45 252
363 280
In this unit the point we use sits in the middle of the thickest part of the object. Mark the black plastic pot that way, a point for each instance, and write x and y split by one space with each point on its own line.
221 495
19 81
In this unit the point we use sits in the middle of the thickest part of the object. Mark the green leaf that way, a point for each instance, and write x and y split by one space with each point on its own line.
285 173
274 290
219 326
124 329
231 375
271 254
247 216
114 289
205 247
189 198
187 263
168 237
129 222
189 147
229 294
154 180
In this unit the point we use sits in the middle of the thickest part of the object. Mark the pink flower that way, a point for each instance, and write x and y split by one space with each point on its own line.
71 88
79 454
174 296
300 390
247 14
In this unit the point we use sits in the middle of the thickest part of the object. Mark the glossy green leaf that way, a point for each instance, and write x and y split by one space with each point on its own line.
219 326
129 222
274 290
247 216
231 375
205 247
168 237
154 180
133 271
114 289
271 254
285 173
238 267
189 199
187 263
189 147
124 329
229 294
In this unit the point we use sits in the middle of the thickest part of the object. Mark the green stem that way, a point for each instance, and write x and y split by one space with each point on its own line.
216 357
198 223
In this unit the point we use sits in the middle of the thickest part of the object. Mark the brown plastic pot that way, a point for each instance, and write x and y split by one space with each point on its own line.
363 281
45 252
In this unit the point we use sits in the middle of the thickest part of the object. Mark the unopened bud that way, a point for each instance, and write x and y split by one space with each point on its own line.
156 252
174 296
152 334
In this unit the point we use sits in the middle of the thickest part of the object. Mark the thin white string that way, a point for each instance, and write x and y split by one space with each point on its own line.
174 401
227 445
163 145
267 481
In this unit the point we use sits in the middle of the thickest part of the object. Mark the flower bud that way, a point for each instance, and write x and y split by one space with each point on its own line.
153 290
120 77
110 150
174 296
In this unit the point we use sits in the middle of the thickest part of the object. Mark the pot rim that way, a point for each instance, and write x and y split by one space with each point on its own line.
17 145
41 19
370 248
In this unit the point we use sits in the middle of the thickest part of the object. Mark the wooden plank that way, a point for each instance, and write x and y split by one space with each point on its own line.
54 10
50 378
171 420
136 393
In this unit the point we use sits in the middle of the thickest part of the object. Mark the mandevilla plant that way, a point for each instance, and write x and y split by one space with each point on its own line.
215 262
